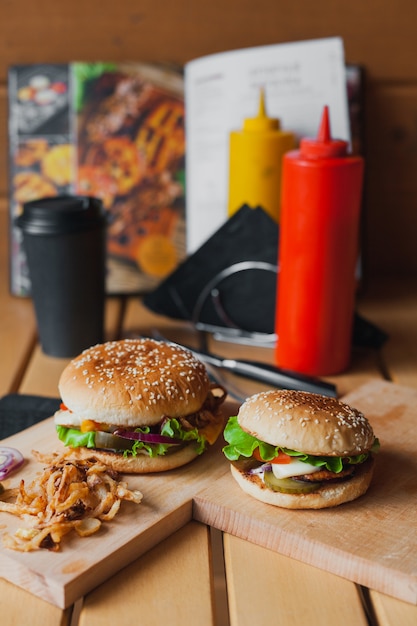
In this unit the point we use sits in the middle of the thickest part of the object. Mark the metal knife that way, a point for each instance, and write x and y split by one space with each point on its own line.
262 372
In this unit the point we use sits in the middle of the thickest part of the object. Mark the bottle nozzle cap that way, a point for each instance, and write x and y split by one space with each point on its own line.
262 122
323 146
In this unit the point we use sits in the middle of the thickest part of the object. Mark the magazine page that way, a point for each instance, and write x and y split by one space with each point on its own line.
221 90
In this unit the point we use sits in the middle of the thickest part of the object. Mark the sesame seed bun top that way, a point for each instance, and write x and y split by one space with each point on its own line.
306 422
134 382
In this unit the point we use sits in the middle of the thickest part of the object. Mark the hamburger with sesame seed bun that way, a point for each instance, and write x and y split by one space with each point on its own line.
300 450
138 405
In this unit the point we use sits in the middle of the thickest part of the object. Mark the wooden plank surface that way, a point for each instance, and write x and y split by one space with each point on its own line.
379 532
392 305
391 612
265 587
82 564
127 31
139 320
391 185
20 607
170 584
17 323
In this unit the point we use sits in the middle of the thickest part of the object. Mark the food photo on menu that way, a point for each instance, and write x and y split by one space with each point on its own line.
113 131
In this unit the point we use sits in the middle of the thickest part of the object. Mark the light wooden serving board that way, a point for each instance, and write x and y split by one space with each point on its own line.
83 563
371 541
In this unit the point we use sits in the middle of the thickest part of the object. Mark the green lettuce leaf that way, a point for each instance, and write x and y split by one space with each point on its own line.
173 428
85 72
74 438
242 444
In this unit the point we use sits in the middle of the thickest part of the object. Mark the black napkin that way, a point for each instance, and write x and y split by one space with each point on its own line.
245 296
18 412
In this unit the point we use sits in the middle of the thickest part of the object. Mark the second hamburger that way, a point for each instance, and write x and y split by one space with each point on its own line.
300 450
138 405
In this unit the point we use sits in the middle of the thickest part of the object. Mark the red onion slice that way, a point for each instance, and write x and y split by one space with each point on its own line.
146 437
10 460
265 467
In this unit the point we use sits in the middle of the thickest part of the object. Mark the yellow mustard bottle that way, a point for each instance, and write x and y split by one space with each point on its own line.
255 162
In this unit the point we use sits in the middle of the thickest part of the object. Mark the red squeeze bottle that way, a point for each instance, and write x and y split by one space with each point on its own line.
318 252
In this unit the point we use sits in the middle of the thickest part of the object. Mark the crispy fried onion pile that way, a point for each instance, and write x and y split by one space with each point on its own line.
67 495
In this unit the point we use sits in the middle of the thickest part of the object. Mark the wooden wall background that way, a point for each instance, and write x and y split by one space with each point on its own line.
381 35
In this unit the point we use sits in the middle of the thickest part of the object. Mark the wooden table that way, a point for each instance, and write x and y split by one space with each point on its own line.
198 574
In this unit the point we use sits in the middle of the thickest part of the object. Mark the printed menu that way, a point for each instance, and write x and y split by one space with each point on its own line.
115 131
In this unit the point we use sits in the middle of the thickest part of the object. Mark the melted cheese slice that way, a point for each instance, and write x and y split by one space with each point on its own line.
212 430
67 418
295 468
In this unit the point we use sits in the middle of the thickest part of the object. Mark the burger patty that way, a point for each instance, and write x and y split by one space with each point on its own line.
325 474
215 397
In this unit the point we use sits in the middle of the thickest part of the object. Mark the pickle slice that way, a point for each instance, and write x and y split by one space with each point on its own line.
246 464
107 441
288 485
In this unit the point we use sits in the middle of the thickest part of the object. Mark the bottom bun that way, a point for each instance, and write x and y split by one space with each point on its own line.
326 496
140 464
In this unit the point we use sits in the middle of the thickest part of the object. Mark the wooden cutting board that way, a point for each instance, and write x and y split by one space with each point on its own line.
83 563
371 541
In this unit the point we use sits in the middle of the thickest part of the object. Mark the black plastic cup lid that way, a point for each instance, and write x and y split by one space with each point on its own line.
61 214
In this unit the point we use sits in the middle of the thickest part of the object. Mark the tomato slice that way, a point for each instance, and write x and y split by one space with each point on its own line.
281 458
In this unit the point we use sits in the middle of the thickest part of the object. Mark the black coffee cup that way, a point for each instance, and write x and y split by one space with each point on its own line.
64 239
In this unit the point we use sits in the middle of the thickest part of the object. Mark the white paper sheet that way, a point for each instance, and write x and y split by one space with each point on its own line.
221 90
